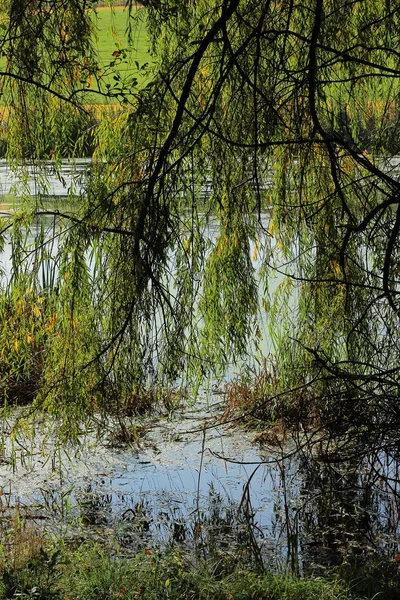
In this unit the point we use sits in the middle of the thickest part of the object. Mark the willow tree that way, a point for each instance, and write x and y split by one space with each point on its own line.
269 130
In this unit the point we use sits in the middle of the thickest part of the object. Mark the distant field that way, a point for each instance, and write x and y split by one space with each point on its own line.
112 36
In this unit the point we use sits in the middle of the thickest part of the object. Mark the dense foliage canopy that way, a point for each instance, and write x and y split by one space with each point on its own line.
261 155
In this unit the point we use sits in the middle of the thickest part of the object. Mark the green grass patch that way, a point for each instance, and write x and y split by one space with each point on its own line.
91 573
119 60
112 34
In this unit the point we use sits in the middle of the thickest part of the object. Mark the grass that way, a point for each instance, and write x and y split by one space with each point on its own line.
88 572
112 34
113 38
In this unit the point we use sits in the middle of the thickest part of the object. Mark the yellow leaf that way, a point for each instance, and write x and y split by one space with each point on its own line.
335 267
64 35
271 228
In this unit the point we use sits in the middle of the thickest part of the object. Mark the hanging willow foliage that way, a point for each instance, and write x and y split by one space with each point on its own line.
267 136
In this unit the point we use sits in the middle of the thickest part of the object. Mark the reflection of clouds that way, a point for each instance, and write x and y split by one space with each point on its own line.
102 484
157 496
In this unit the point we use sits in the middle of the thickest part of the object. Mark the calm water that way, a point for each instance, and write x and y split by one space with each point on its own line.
33 181
182 475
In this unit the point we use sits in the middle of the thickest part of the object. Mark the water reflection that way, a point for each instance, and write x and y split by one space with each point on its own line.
350 511
44 179
301 513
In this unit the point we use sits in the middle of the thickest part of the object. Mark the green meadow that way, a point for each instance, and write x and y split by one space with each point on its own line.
116 53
